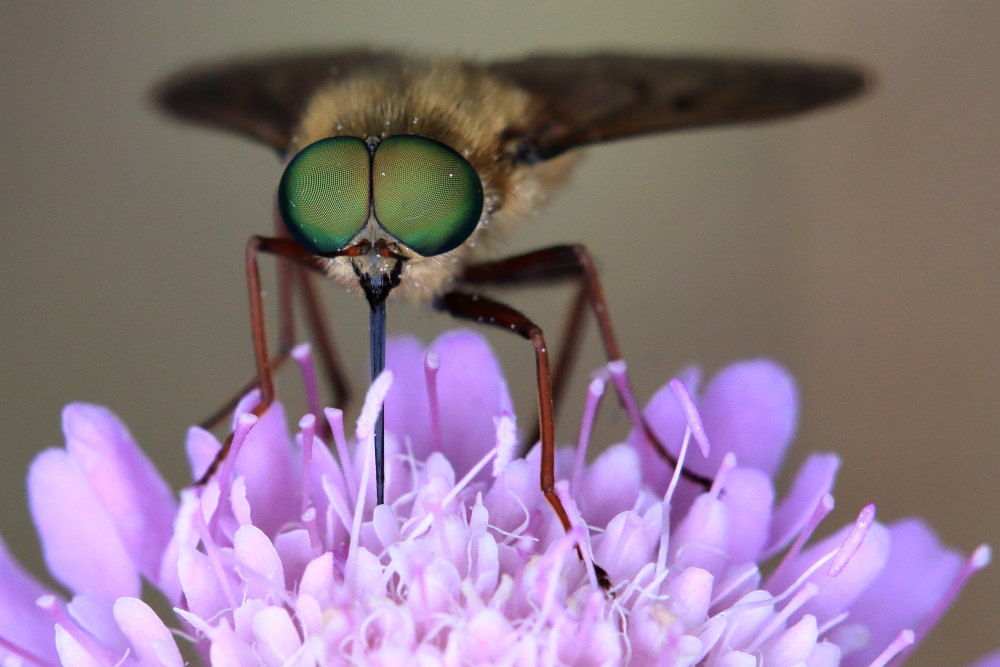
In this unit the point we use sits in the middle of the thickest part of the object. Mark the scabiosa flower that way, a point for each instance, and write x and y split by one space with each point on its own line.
284 559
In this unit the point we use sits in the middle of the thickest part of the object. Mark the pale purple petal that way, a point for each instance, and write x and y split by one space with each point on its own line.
836 594
21 620
666 418
71 652
135 497
93 613
689 595
80 542
201 448
487 638
469 401
317 578
814 480
626 545
294 550
277 640
918 572
702 537
266 461
151 641
514 497
258 562
794 645
748 497
612 482
204 593
737 659
824 654
757 609
486 560
471 392
751 409
228 650
406 405
309 614
989 660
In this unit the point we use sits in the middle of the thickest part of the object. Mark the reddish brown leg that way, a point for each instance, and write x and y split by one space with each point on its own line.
226 409
559 263
286 317
287 249
486 311
323 340
288 276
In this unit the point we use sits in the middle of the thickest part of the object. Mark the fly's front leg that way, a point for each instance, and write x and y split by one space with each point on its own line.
487 311
292 277
282 248
323 338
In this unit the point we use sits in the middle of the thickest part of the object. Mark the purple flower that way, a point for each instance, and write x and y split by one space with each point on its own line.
284 559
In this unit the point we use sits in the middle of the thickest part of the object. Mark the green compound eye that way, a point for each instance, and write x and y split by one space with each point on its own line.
324 193
426 194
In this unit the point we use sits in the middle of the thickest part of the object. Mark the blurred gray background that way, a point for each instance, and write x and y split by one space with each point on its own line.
857 246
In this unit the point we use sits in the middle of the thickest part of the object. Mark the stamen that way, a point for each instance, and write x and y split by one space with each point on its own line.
595 391
577 525
373 405
823 507
302 354
351 567
668 497
727 465
618 368
432 363
307 425
733 583
212 551
808 592
832 623
312 529
506 442
904 639
517 533
841 555
446 500
24 654
976 561
335 418
691 415
244 423
336 505
50 605
550 566
661 554
853 540
649 591
795 585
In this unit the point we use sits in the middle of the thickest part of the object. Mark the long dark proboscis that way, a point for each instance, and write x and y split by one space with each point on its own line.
376 331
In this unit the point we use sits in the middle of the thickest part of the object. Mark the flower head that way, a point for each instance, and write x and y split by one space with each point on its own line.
283 557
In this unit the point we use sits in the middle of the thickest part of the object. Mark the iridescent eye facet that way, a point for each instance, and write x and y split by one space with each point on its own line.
426 194
324 193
